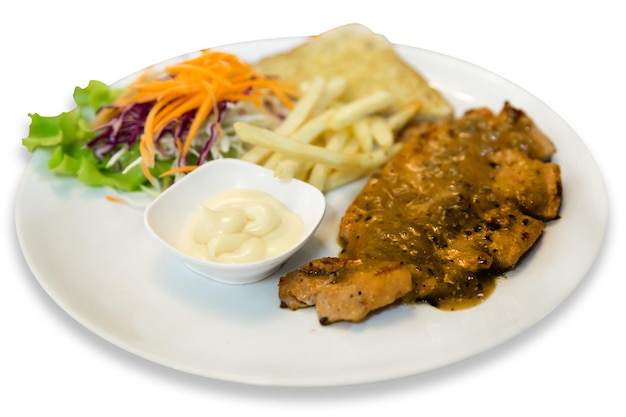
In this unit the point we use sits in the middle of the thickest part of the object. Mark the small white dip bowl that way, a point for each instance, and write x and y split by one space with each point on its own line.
167 217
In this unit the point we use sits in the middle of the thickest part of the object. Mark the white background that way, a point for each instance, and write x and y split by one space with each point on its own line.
568 54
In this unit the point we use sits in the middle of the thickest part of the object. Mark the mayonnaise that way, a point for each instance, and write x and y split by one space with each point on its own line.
241 225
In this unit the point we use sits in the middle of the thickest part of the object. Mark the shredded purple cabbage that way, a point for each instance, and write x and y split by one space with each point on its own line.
127 126
204 153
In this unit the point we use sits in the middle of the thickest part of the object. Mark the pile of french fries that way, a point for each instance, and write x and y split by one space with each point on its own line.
326 141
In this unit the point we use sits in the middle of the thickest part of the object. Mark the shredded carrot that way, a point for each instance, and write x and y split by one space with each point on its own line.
199 83
105 113
114 199
186 168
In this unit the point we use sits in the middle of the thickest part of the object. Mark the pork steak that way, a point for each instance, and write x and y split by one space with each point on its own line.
459 205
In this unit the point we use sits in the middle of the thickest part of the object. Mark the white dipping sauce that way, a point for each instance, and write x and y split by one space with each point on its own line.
241 225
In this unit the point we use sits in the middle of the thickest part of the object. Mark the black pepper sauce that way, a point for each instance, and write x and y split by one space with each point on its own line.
436 207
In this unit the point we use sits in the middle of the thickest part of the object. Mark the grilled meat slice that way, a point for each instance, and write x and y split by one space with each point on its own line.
344 289
459 205
510 128
533 184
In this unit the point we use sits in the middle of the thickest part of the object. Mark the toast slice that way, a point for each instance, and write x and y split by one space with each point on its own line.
368 61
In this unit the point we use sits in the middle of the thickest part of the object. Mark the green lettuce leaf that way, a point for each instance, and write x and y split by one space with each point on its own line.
67 135
71 126
91 98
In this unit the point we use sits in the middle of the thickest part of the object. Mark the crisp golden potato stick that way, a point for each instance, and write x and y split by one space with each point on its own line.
381 132
295 149
313 128
303 108
333 90
342 177
300 124
273 160
363 134
354 110
351 145
288 168
256 155
326 141
397 120
335 142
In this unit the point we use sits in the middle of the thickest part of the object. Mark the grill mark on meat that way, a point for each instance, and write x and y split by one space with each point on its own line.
460 204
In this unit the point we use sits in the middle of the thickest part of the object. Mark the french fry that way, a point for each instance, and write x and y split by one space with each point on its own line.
298 150
325 141
363 134
318 94
288 168
341 177
256 155
273 160
381 132
297 168
313 128
301 111
335 142
333 90
352 145
354 110
400 118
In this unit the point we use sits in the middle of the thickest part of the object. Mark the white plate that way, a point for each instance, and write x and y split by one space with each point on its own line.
95 259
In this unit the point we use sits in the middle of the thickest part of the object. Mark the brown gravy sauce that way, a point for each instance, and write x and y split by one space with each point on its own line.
437 209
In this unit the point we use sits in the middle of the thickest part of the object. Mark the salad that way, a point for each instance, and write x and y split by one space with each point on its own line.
148 135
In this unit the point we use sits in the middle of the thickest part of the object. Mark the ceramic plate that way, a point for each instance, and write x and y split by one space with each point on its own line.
96 260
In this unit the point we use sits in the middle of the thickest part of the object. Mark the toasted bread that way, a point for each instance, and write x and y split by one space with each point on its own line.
368 61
